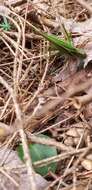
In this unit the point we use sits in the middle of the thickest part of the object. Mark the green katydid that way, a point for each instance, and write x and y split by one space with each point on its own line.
63 46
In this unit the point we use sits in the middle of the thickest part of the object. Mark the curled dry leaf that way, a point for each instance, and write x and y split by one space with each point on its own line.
5 131
73 135
78 102
87 162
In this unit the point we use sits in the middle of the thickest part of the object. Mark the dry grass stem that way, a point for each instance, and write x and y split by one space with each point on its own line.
22 135
49 142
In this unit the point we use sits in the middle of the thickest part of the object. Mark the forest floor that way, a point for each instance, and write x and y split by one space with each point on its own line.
42 92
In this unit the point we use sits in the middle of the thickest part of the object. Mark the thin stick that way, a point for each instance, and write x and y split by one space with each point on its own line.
59 157
23 43
50 142
39 87
28 161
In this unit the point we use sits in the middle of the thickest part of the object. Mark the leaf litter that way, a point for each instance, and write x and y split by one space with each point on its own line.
45 93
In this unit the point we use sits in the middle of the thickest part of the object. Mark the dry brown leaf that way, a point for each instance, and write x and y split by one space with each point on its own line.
87 162
5 131
11 160
74 134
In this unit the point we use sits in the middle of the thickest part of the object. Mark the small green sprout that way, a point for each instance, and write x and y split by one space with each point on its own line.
5 24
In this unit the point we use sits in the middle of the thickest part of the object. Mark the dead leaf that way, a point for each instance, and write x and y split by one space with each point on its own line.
14 169
4 10
75 132
5 131
87 162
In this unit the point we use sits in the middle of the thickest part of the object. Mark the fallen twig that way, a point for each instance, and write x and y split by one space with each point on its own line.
22 135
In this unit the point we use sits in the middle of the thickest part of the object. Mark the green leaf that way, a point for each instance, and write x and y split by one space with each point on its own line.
39 152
